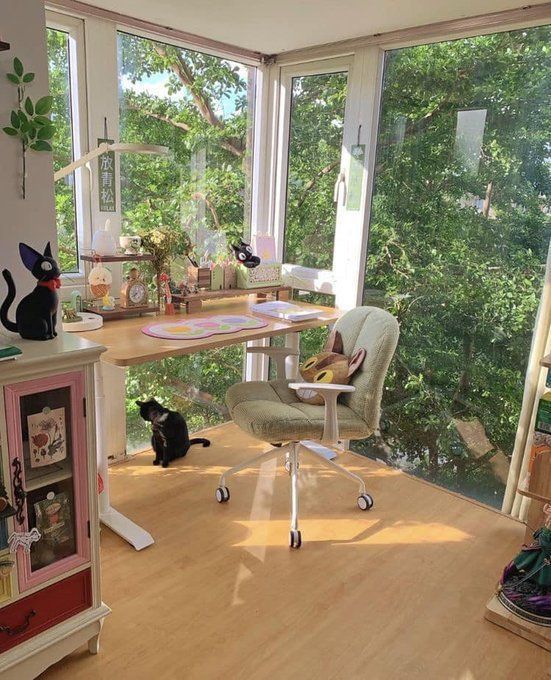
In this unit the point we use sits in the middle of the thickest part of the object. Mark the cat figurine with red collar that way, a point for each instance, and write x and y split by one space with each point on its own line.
36 313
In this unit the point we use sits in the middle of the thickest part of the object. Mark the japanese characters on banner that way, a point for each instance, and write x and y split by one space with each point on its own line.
106 179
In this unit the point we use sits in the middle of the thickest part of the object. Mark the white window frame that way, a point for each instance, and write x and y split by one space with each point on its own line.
74 28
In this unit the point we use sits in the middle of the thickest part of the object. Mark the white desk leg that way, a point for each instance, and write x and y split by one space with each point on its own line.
121 525
292 340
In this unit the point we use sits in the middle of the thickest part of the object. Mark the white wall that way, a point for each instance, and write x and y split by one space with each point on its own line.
32 220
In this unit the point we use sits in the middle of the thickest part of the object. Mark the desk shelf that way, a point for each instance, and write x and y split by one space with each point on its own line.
194 301
119 312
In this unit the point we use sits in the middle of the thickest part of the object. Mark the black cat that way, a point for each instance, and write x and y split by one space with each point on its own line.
244 254
170 438
36 314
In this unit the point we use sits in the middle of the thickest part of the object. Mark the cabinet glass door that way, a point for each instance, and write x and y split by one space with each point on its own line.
47 442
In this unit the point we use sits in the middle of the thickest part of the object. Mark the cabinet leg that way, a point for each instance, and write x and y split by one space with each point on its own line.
93 644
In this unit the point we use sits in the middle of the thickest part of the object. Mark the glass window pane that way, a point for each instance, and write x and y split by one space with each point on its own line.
201 108
315 141
65 200
458 239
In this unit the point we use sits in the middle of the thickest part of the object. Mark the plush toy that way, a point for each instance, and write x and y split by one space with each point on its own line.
244 255
330 366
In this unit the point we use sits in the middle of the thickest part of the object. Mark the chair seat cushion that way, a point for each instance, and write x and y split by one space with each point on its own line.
271 411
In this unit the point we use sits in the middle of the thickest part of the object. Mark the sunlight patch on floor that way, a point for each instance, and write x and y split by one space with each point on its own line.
350 531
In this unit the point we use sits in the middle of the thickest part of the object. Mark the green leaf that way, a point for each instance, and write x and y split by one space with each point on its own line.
13 78
28 77
29 107
46 132
14 118
18 66
25 126
44 105
41 145
22 117
42 120
12 132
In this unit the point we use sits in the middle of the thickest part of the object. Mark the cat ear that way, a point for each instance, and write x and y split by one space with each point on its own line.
334 343
236 249
139 403
48 250
29 256
356 361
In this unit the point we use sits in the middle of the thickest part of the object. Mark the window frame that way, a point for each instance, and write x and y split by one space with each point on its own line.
74 28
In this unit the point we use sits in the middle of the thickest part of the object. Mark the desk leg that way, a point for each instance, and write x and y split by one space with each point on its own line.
121 525
292 340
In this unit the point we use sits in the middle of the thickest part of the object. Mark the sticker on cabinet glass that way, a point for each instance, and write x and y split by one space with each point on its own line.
47 437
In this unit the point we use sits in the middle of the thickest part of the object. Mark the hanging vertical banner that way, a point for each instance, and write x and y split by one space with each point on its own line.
106 180
355 177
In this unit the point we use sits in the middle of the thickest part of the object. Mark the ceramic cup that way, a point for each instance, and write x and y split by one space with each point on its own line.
130 244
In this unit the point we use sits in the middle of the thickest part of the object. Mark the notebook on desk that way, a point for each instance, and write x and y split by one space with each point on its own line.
286 311
9 352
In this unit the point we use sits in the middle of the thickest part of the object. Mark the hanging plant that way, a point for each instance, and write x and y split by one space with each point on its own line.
29 123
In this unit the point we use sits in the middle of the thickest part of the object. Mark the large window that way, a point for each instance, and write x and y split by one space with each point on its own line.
201 108
459 232
314 159
59 66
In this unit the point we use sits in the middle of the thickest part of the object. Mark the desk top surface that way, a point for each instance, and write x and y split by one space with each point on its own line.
128 346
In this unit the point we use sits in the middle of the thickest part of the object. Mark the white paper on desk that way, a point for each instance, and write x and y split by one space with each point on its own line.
286 311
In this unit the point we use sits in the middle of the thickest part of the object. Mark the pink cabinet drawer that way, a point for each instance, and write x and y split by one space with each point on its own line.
46 608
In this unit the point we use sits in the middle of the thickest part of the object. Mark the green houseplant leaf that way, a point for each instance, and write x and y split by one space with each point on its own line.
44 105
28 78
18 67
14 118
29 106
13 78
41 145
45 132
12 132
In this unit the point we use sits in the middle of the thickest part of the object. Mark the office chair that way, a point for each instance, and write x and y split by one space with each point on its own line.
271 411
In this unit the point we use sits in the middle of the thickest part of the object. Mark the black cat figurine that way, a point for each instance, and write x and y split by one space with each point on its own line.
170 437
36 314
244 254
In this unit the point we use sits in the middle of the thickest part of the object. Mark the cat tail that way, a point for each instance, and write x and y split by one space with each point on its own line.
199 440
10 297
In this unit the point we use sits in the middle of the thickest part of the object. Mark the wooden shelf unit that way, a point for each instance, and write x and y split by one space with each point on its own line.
146 257
119 312
194 301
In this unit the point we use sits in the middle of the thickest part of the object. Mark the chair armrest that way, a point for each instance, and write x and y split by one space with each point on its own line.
329 393
278 354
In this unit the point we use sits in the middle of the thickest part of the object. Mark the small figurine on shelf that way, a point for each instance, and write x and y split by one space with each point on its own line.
165 282
244 255
108 303
99 280
36 313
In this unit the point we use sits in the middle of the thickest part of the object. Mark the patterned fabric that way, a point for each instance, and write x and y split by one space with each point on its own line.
271 411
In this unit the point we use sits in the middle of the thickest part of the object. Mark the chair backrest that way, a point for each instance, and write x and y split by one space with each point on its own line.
377 331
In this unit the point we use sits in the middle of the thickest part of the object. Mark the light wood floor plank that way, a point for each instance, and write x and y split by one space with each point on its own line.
395 593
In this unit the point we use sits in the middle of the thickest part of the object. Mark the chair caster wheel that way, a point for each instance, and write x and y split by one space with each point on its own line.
222 494
365 501
295 539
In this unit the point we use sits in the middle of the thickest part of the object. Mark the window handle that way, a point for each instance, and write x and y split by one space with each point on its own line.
341 179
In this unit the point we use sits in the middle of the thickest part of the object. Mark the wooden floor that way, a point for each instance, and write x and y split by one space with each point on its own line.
398 592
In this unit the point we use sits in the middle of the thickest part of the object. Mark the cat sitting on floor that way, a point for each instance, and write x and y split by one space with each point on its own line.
170 438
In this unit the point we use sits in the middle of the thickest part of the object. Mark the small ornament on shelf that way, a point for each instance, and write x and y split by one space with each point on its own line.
165 282
100 280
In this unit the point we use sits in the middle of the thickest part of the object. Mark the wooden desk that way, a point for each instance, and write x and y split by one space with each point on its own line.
128 346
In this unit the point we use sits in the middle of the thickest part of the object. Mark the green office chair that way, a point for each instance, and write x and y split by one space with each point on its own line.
271 411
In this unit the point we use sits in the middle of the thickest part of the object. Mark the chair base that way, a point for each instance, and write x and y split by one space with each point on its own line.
292 464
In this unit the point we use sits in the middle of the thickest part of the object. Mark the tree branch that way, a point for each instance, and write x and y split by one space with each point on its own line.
312 183
199 196
159 116
184 74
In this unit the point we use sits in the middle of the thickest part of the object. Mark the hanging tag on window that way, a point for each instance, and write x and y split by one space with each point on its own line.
106 179
355 177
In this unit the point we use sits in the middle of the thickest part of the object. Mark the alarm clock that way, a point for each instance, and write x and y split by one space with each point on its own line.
134 291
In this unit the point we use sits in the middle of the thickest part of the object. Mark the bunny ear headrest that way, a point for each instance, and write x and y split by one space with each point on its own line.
334 343
29 256
356 361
